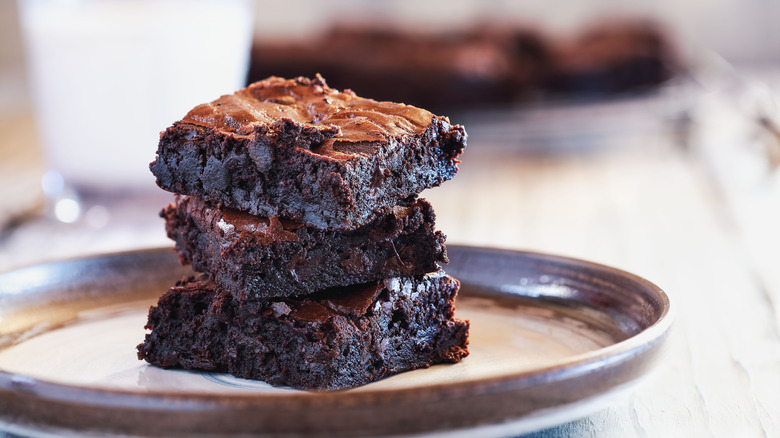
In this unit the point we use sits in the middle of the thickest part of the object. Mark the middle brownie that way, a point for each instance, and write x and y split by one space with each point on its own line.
257 257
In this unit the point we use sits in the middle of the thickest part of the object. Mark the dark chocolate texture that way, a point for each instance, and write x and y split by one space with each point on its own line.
338 339
486 65
613 57
431 70
301 150
256 257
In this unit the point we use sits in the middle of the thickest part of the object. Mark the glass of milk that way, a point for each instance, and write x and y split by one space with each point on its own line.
106 76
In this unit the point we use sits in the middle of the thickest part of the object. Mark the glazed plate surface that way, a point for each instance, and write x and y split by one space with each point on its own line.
552 339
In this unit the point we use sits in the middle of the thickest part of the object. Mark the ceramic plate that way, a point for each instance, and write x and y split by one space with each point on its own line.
552 339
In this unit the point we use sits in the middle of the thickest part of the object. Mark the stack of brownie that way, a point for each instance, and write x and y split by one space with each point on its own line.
298 204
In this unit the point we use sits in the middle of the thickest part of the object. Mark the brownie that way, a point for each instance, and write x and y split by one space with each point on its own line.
613 57
488 64
257 257
434 70
337 339
298 149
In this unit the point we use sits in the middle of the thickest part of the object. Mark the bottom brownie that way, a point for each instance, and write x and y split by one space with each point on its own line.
336 339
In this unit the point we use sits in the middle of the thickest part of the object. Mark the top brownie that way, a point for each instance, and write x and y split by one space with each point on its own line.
299 149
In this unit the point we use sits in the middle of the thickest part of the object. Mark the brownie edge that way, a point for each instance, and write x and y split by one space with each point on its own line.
337 339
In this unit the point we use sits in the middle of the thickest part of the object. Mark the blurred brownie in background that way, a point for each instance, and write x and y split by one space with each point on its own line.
486 65
611 58
435 71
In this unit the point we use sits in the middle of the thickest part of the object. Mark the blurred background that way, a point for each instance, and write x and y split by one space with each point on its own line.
639 134
742 31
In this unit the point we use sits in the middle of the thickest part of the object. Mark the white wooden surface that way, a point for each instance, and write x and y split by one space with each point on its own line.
698 221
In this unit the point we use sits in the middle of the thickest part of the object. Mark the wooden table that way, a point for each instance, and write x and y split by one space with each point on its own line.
675 188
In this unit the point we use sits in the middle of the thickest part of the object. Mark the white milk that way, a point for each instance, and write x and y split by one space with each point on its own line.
108 75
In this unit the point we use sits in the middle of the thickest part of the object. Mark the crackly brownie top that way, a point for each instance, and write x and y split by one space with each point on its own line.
341 117
350 301
267 230
233 222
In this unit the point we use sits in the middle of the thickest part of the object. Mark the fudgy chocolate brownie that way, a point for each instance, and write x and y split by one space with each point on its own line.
256 257
492 64
338 339
613 57
299 149
487 64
